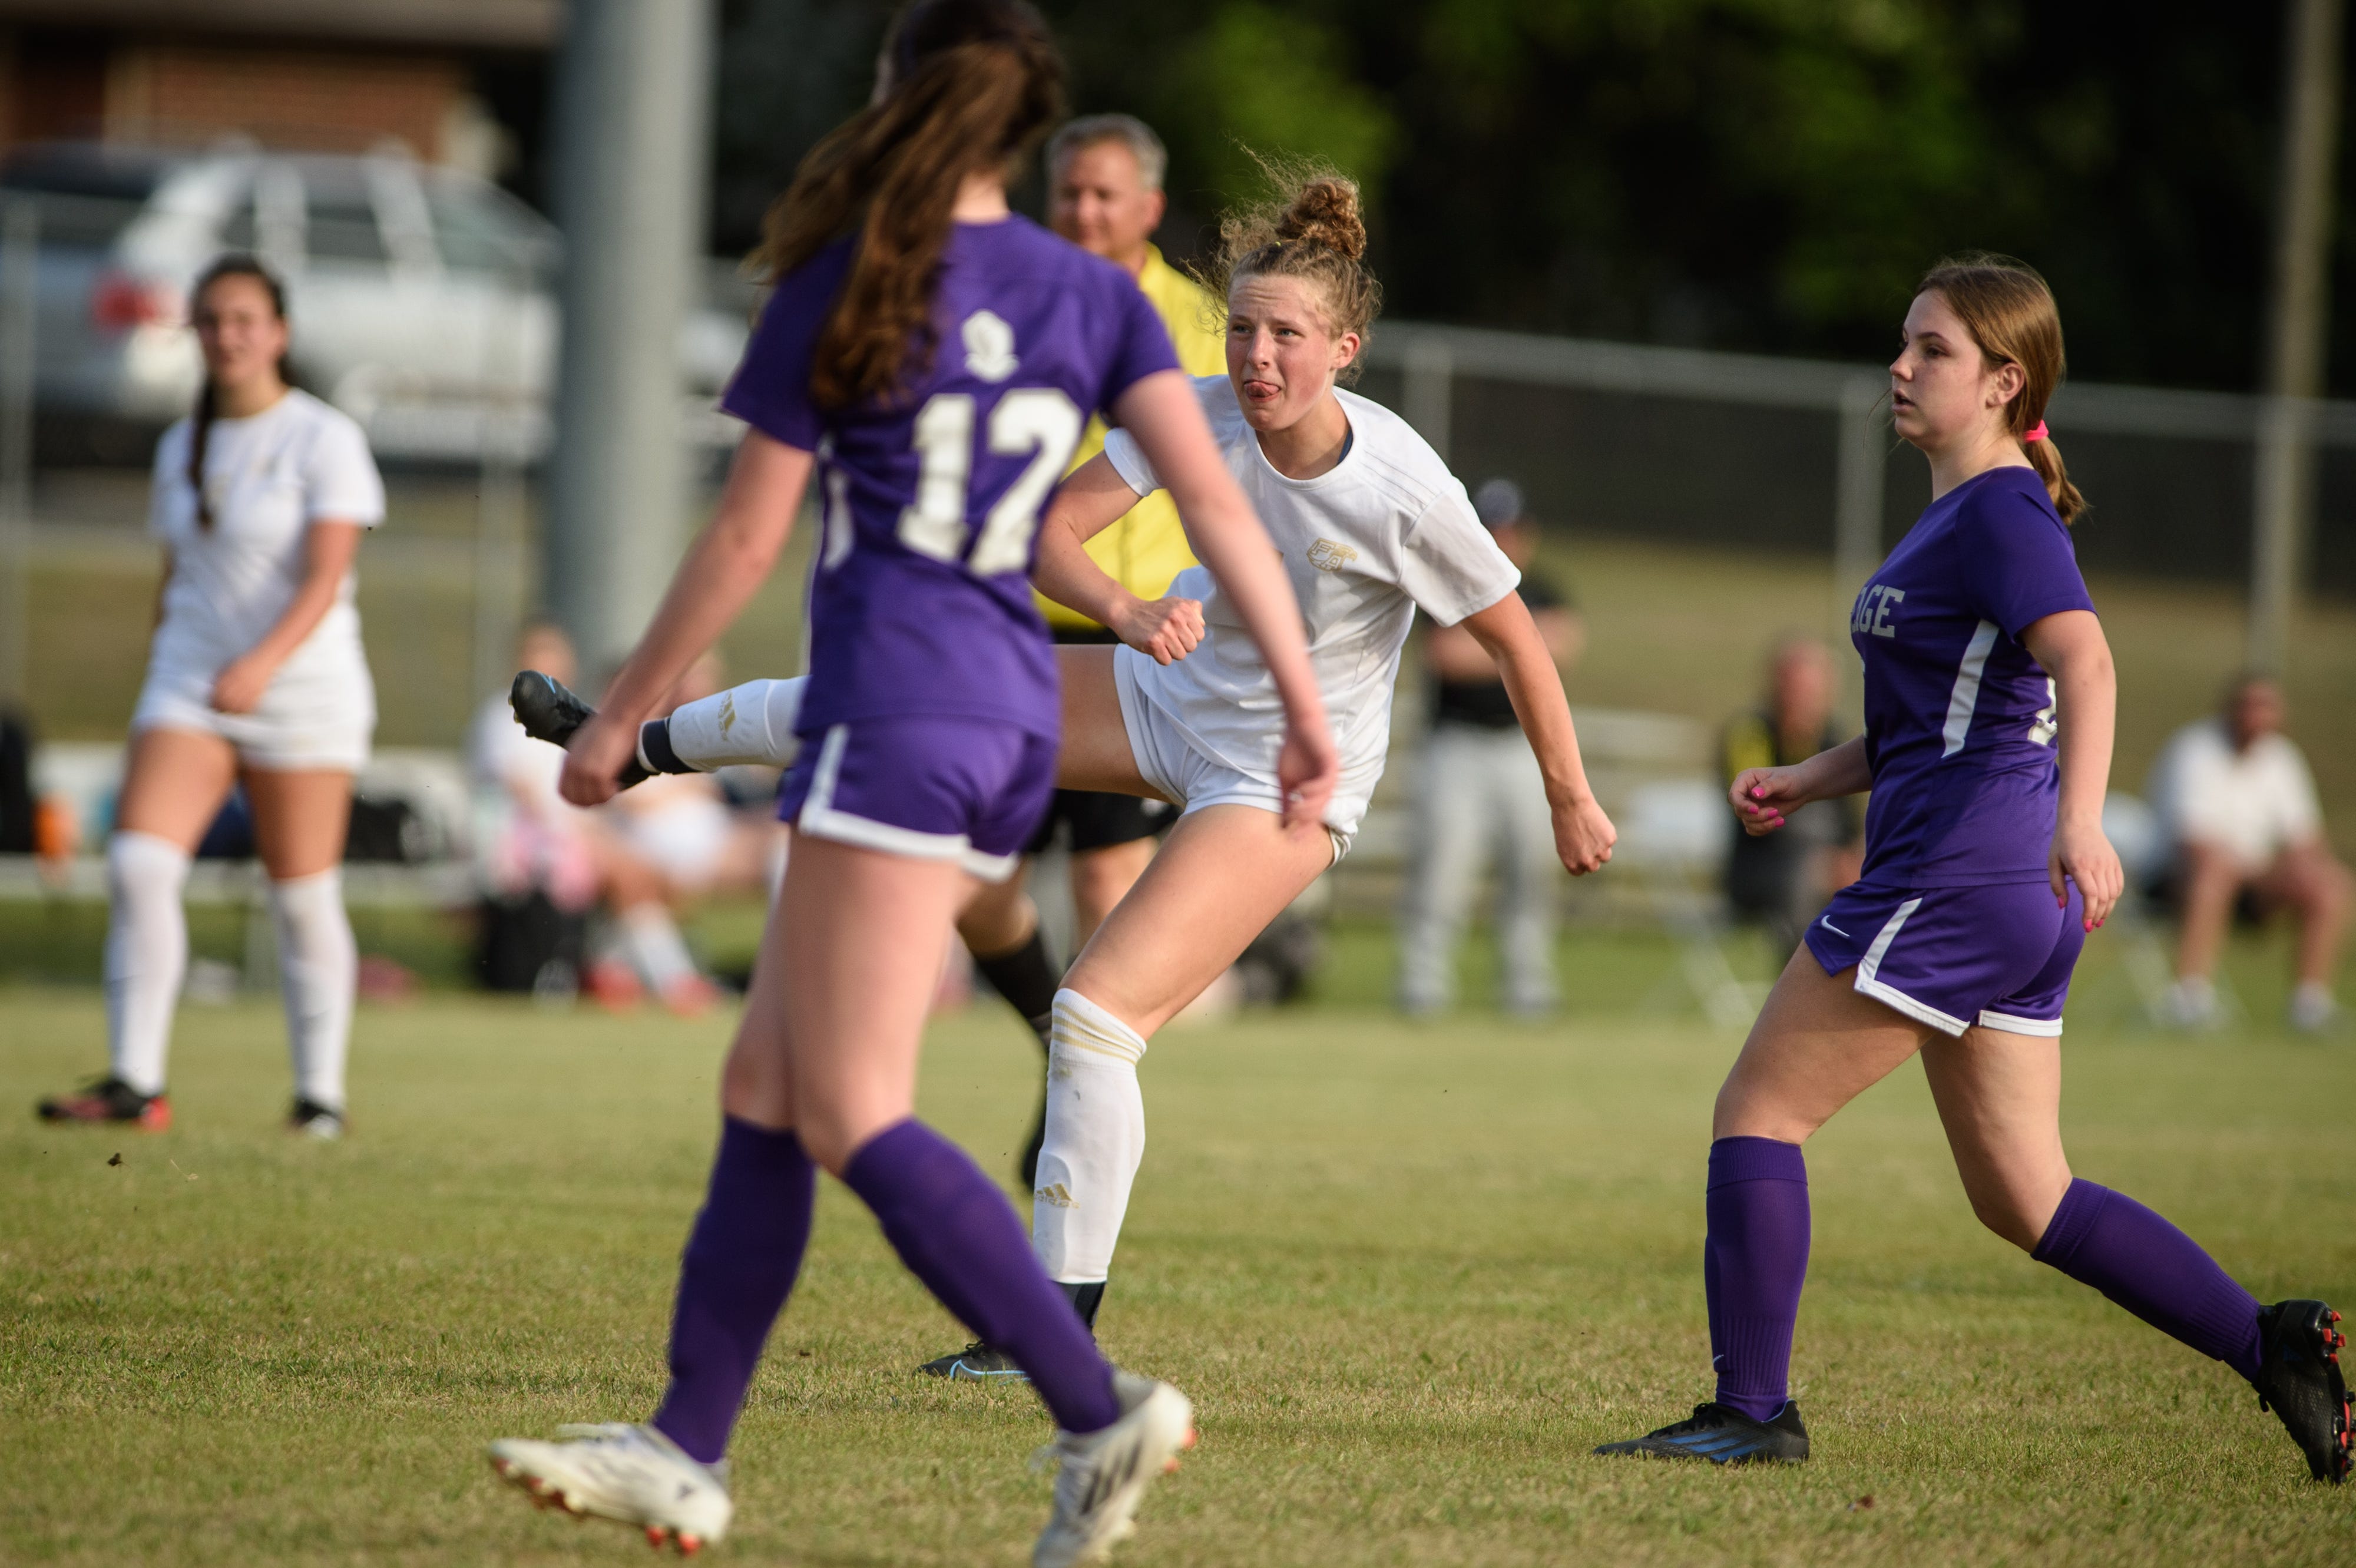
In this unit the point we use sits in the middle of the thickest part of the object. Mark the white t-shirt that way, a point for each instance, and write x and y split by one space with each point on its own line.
270 476
1385 532
2253 804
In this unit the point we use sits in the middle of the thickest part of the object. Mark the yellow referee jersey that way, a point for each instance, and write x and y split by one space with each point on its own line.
1146 547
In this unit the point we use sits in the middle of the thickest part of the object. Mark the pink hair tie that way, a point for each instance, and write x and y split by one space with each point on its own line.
2037 433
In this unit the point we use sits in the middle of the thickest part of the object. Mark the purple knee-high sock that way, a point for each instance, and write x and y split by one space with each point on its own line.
956 1232
2110 1242
1752 1267
740 1264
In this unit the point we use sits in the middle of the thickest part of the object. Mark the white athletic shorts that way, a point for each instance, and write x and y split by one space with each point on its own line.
323 720
1169 759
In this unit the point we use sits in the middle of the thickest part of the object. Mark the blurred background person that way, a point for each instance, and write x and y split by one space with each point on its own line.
1783 880
536 870
688 828
255 675
2237 801
545 866
1478 789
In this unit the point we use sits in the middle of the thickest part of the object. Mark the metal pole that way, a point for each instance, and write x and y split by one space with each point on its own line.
498 506
2283 499
20 240
633 127
1860 477
1429 390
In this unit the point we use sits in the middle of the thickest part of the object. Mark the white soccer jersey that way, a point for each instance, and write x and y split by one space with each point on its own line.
1387 531
269 476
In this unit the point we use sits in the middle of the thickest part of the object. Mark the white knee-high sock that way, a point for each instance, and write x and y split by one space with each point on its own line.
146 953
318 969
1096 1139
753 723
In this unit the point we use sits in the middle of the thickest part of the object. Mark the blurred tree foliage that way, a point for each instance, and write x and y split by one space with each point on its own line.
1754 173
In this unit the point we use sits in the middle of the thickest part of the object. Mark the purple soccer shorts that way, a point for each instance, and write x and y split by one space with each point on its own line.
971 790
1998 956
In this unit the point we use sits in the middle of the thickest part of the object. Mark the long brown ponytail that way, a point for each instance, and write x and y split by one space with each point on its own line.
967 84
2010 314
201 425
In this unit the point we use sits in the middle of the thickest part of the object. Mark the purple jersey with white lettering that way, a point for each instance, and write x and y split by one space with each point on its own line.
1959 720
920 600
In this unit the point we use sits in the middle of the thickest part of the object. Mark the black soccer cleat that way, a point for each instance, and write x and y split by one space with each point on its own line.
549 712
109 1099
977 1363
2300 1380
313 1119
1725 1436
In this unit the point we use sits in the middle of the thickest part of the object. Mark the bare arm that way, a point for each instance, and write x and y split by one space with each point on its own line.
2072 649
1162 413
1454 654
1088 502
328 549
1507 634
721 572
1764 797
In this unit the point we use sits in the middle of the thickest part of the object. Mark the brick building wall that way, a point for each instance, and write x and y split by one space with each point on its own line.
333 100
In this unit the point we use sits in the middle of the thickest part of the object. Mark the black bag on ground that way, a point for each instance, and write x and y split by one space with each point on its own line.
527 943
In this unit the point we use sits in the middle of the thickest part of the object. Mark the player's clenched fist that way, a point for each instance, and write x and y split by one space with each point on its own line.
1168 629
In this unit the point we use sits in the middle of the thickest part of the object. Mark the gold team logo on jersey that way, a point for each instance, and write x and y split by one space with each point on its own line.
1327 557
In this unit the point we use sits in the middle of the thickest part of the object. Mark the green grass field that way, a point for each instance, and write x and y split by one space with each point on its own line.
1410 1274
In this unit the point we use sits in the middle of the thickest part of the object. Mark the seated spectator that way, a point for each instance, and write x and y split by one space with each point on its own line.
530 841
1785 879
1478 789
687 828
2235 797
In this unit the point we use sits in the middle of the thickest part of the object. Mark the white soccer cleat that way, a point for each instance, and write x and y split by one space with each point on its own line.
631 1474
1104 1474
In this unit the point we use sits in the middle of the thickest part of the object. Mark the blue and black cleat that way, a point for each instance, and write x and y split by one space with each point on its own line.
1724 1435
977 1363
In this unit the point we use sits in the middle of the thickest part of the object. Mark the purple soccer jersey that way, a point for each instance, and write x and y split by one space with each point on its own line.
1959 719
920 602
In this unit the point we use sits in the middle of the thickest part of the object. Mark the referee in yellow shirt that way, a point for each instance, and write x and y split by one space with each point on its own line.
1104 173
1105 196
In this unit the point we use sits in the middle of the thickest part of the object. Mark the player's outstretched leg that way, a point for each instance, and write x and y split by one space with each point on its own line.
748 725
2289 1352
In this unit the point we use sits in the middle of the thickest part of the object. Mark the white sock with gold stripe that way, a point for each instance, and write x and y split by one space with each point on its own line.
753 723
1096 1139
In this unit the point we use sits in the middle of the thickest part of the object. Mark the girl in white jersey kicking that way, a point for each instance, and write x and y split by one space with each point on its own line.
1370 526
256 676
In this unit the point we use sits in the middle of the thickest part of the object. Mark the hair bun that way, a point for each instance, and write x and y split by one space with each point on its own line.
1325 212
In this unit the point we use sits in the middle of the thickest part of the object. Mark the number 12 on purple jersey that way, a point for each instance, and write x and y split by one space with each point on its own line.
1038 421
